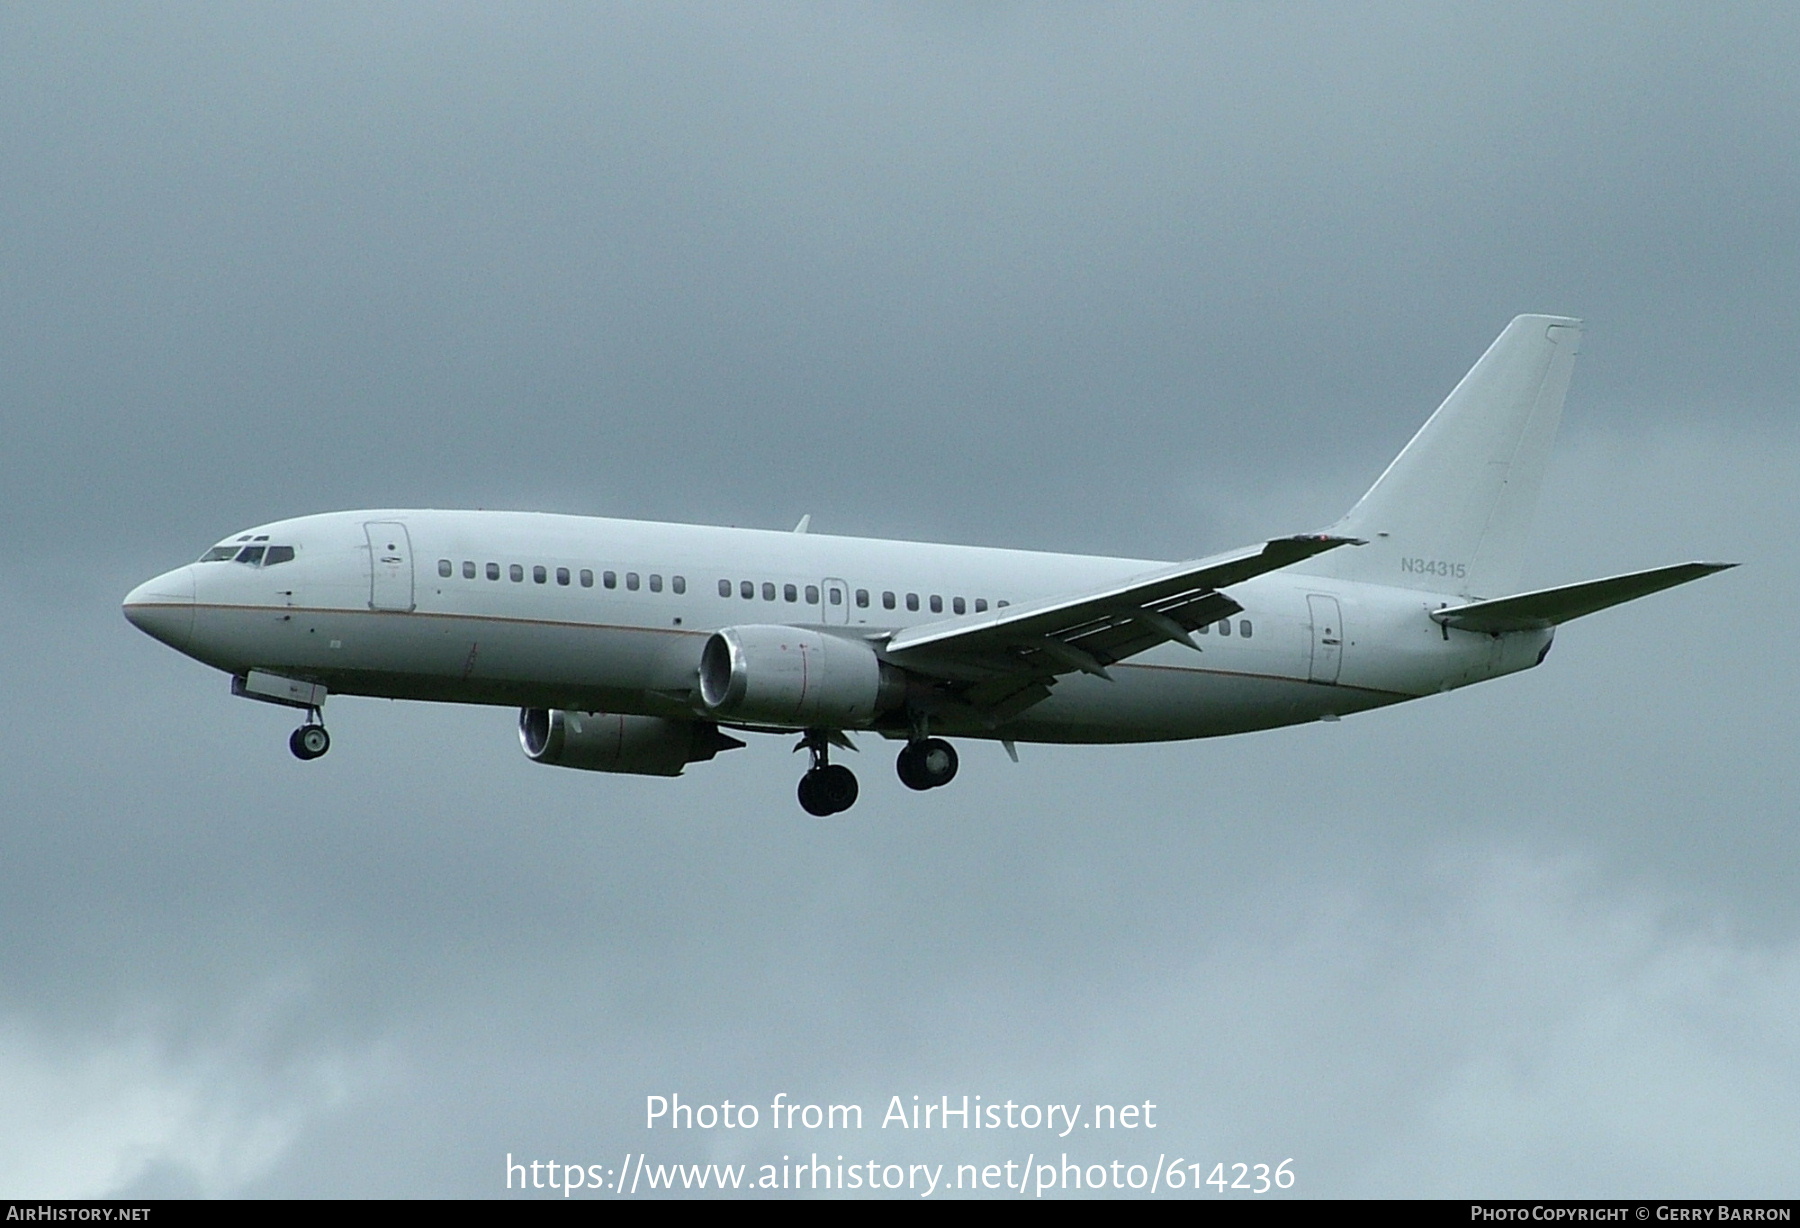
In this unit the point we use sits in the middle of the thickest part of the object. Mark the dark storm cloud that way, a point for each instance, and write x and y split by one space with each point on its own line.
503 254
1144 280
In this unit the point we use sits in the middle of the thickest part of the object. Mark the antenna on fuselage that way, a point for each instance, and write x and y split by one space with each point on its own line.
805 523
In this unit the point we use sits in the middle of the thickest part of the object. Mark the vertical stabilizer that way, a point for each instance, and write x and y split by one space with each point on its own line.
1452 513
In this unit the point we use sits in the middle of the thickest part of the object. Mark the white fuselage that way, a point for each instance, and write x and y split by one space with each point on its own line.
363 607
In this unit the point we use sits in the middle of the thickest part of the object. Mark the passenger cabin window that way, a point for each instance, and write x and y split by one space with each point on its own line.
937 604
516 572
724 588
912 601
790 593
1204 628
746 590
862 598
609 579
768 591
980 605
655 583
887 601
957 606
835 595
538 575
444 568
1224 626
468 571
631 581
587 578
493 571
812 594
1244 627
678 584
562 575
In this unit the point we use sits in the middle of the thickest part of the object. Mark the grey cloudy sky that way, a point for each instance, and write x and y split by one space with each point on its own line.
1133 279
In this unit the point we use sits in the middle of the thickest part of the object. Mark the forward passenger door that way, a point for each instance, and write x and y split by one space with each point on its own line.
390 566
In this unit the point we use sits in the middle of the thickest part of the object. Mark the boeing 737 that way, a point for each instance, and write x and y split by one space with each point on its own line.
634 647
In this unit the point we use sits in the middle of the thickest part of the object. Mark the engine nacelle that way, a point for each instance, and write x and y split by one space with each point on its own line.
607 742
789 676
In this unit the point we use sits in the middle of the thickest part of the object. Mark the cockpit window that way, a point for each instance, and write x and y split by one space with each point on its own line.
249 556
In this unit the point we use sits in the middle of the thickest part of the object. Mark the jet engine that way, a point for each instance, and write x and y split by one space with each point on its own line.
788 676
607 742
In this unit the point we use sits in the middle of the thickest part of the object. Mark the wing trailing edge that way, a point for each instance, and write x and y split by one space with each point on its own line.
994 665
1088 631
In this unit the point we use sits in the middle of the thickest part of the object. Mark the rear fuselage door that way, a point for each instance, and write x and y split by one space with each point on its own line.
390 566
834 601
1327 638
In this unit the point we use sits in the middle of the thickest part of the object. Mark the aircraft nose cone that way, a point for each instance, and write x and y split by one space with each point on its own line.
163 608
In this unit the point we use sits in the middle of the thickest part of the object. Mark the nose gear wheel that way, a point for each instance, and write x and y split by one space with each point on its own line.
310 740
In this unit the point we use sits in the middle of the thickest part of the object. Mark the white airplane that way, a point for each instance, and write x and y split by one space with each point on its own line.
632 646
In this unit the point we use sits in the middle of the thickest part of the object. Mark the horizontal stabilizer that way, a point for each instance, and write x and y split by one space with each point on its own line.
1550 607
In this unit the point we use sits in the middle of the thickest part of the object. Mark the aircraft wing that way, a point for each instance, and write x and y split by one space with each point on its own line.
1010 656
1550 607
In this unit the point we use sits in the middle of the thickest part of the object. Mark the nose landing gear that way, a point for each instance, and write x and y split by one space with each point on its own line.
310 740
827 788
928 763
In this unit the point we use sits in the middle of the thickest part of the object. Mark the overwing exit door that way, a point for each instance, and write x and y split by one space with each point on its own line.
834 601
390 566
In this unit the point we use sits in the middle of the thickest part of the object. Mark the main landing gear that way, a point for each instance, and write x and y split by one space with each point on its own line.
310 740
926 763
827 788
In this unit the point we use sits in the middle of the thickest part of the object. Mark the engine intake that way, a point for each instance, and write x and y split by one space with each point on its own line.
608 742
773 675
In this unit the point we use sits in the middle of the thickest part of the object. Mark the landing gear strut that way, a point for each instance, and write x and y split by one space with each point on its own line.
826 788
310 740
927 763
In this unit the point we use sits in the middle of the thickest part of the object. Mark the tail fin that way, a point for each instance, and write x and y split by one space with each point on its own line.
1452 513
